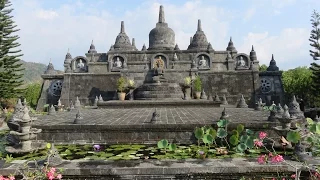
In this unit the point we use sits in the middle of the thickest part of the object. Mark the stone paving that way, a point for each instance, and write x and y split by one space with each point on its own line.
137 116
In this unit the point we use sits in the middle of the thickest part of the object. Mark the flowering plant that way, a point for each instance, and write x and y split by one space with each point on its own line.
187 81
131 83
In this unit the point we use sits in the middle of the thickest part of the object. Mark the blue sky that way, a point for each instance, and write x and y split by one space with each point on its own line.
279 27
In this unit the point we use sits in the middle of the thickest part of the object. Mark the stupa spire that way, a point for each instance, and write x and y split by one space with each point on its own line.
161 15
199 25
122 27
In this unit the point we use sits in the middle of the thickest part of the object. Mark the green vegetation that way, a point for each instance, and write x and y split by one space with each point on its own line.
197 84
32 93
32 72
263 68
315 53
121 84
10 66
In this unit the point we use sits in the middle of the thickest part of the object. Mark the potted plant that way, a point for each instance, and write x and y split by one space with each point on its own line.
121 87
186 87
131 86
197 85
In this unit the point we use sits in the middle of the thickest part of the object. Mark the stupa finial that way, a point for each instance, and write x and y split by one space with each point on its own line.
122 27
161 15
199 25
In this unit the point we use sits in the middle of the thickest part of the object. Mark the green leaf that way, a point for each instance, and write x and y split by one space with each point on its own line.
163 143
46 105
293 136
315 128
235 132
241 147
48 145
234 140
222 123
207 139
240 128
222 133
310 139
249 131
309 121
199 133
244 138
172 147
212 132
249 142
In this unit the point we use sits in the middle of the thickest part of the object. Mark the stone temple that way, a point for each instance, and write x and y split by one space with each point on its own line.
226 72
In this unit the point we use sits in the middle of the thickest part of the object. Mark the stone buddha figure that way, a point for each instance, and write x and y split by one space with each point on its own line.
241 62
117 63
80 64
202 62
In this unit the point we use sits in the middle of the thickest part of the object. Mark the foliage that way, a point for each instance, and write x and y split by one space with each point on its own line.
131 83
263 68
298 82
32 94
164 144
121 84
187 81
197 84
315 53
10 67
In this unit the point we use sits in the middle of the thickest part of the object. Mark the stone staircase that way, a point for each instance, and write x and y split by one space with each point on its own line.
159 91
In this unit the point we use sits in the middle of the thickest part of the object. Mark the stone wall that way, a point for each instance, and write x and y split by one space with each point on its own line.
87 86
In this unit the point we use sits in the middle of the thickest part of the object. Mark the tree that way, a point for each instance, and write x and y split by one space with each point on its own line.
315 53
10 67
297 82
32 94
263 67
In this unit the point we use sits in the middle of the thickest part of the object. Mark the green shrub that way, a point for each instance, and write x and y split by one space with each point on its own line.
121 84
197 84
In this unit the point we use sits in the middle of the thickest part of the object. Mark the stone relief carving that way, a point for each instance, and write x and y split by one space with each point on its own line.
203 62
118 63
159 62
266 85
242 62
80 65
55 88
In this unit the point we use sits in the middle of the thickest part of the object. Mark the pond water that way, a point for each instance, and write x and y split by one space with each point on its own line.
131 152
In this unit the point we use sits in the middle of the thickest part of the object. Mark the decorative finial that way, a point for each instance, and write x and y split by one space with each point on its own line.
78 117
144 47
68 50
122 27
224 115
230 38
77 103
199 25
224 100
176 47
133 42
92 41
272 58
50 61
52 110
252 49
191 39
242 103
161 15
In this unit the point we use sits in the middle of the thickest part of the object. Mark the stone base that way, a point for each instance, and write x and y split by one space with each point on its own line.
35 146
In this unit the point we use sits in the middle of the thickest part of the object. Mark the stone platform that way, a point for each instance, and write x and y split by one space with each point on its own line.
158 104
132 125
215 169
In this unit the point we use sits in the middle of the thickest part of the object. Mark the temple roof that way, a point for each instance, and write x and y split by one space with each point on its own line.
253 55
68 58
122 41
199 40
273 65
50 69
231 46
92 48
161 37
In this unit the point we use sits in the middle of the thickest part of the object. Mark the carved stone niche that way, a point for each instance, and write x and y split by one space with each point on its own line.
159 61
118 63
79 65
203 61
242 62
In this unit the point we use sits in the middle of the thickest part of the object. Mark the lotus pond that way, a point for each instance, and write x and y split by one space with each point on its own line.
132 152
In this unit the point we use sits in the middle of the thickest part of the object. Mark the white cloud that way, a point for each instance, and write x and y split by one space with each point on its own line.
46 14
289 47
48 34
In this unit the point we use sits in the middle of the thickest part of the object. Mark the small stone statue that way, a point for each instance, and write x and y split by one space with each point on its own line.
242 103
54 159
175 57
217 98
224 115
80 64
52 110
71 105
100 98
78 117
241 62
95 103
286 113
259 105
202 62
203 95
210 97
155 116
279 109
117 63
25 102
224 100
77 103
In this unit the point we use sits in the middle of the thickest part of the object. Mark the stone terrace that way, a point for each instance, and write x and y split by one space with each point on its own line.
133 125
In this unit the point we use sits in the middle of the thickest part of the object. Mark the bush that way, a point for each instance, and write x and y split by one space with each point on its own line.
197 84
121 84
32 94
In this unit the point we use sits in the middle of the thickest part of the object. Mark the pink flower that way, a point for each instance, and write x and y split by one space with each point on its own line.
270 154
50 175
53 170
59 176
262 135
258 143
293 176
276 159
11 177
262 159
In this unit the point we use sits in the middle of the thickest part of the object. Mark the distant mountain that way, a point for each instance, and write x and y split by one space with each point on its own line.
32 72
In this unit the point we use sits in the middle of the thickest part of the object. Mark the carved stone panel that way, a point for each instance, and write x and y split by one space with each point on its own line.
242 62
203 61
55 88
80 65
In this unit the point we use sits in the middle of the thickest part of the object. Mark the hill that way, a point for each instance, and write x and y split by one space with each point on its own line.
32 71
